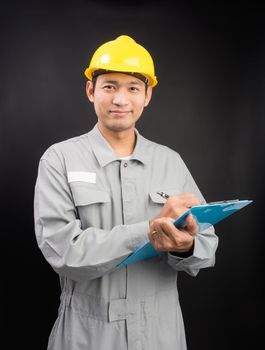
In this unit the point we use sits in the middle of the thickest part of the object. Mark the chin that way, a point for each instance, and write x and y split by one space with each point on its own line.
120 126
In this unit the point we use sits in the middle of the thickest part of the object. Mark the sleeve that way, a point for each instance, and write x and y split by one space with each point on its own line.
71 251
203 256
205 242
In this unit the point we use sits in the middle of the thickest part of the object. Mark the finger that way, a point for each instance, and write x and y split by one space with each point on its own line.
191 225
155 235
169 229
163 243
153 240
187 199
190 200
173 240
159 235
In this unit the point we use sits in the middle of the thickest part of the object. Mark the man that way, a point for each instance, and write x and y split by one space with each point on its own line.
96 202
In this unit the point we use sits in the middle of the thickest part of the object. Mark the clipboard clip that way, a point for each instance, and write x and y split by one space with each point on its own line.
225 201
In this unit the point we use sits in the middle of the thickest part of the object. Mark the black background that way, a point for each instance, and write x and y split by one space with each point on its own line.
209 106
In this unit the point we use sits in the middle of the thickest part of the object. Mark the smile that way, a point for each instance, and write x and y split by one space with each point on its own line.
119 113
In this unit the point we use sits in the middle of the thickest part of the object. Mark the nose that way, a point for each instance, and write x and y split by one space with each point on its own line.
120 98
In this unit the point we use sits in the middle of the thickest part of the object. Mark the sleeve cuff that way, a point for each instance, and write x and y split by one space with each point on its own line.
138 234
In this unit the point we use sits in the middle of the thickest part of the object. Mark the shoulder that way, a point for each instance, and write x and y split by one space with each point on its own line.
161 150
64 148
162 156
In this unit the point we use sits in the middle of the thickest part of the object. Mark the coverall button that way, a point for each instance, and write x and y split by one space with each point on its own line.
125 165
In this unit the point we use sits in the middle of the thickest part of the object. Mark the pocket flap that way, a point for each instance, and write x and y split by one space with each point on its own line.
156 198
84 195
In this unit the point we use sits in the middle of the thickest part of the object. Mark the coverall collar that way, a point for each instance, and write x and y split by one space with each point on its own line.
105 154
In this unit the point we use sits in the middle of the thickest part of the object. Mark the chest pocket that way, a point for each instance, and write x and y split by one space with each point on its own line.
156 202
156 198
93 205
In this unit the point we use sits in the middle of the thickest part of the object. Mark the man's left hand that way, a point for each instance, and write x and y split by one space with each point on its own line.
164 236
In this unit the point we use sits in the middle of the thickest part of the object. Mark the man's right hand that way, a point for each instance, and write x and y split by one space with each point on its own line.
177 205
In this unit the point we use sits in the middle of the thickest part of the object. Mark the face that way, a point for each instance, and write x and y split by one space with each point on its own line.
119 100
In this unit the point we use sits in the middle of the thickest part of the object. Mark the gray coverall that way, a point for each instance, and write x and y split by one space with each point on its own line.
91 211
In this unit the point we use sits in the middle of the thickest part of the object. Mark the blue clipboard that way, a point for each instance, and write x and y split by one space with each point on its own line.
205 215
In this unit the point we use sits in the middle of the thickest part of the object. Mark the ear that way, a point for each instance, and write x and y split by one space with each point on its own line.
148 96
90 91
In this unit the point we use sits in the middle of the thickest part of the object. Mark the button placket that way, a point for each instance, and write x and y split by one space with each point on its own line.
127 189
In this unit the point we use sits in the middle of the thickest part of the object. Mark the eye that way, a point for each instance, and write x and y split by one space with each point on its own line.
134 89
108 87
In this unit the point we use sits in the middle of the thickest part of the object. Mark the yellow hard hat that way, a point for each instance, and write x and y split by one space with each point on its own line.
123 55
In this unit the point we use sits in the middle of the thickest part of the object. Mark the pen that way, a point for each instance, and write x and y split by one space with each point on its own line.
163 194
166 196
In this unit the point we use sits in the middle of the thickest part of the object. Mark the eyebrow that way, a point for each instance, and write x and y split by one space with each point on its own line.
115 82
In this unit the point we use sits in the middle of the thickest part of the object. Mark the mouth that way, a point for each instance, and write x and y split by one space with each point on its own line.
119 113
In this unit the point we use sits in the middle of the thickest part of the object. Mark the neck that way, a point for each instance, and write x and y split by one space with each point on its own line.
122 142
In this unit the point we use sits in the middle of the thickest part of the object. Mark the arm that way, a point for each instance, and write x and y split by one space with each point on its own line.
187 250
76 252
202 255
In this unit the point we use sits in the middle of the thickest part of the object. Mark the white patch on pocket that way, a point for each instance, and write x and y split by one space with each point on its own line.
83 176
